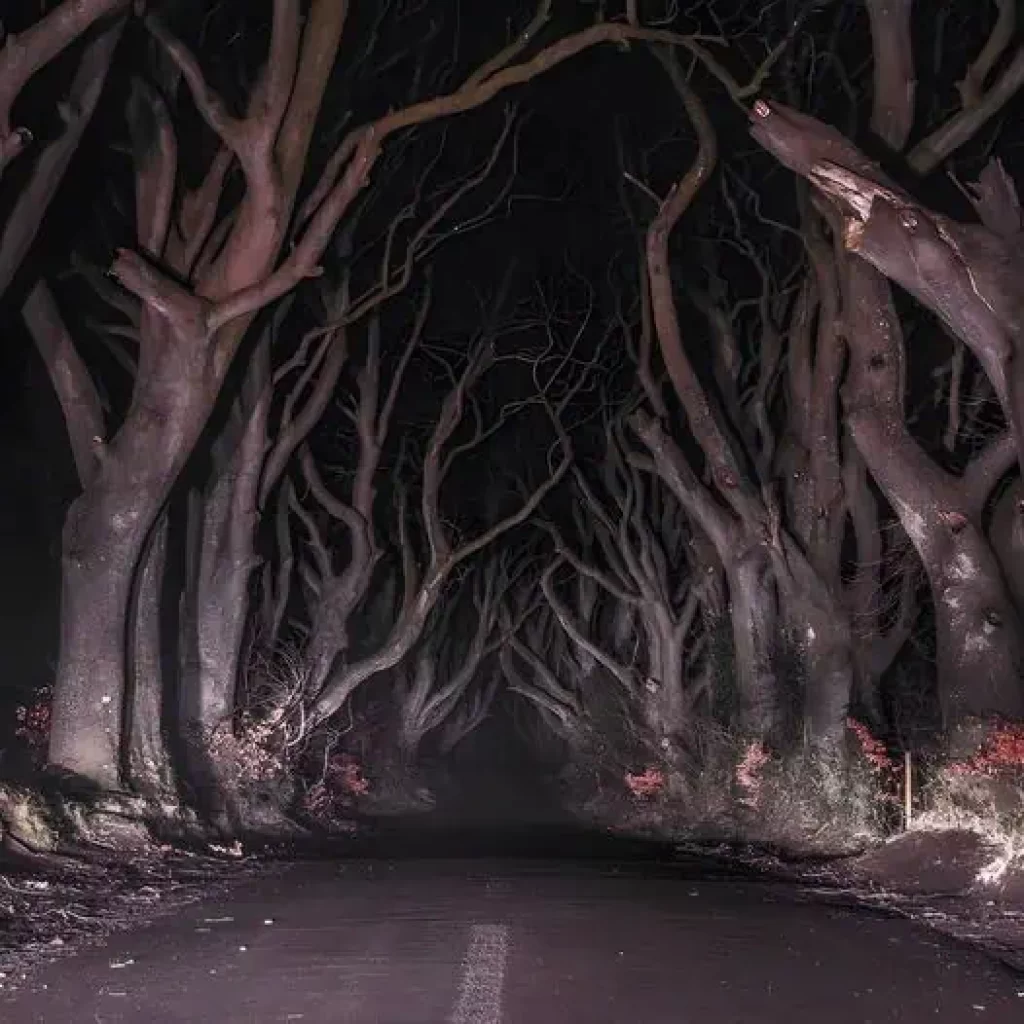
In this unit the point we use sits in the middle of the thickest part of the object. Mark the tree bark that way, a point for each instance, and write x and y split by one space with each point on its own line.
227 553
977 629
960 275
148 767
745 564
106 530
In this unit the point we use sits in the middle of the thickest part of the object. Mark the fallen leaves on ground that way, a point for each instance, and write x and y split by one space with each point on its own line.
44 916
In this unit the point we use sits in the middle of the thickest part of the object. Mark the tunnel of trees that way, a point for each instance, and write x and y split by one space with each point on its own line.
631 387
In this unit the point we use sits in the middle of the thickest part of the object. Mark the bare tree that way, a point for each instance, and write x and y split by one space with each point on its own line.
440 682
963 274
204 269
424 584
637 557
773 583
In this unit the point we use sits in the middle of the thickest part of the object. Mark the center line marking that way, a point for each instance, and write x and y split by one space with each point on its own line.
483 976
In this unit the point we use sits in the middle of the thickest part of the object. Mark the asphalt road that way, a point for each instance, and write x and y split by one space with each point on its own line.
615 939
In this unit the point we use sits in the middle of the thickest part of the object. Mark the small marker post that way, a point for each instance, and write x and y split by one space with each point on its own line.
908 790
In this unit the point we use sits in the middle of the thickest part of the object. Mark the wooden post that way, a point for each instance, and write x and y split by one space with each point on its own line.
908 790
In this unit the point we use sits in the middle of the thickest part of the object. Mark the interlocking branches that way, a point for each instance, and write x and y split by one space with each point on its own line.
247 139
337 594
440 680
445 551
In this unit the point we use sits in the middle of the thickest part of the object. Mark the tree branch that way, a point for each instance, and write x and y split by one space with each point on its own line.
895 82
76 392
572 629
972 87
961 127
25 54
34 198
702 420
156 166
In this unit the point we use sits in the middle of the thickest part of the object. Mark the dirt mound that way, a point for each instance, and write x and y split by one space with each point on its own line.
936 863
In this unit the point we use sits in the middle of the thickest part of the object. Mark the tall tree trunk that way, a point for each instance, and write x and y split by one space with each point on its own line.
221 555
820 644
977 628
747 570
104 536
188 341
666 707
753 612
200 775
227 552
85 731
146 757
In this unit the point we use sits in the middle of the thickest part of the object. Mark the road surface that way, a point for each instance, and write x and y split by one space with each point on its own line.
600 940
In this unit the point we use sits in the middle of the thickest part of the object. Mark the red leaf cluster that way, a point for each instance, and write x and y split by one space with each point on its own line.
648 783
872 749
1001 754
34 723
342 781
748 772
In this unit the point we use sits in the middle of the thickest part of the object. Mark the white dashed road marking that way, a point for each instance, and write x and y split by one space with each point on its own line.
483 976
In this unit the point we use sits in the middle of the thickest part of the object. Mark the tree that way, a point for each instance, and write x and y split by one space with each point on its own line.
960 272
773 444
205 267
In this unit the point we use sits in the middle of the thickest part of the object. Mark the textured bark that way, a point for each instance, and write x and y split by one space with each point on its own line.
147 762
978 633
769 577
185 352
875 643
227 554
819 641
104 536
752 609
665 704
966 273
977 629
755 631
818 497
221 273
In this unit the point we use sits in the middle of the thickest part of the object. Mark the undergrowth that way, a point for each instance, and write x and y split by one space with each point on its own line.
984 794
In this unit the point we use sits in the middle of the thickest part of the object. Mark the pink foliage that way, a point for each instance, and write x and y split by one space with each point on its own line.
872 748
34 724
346 774
341 783
649 783
1001 754
748 772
